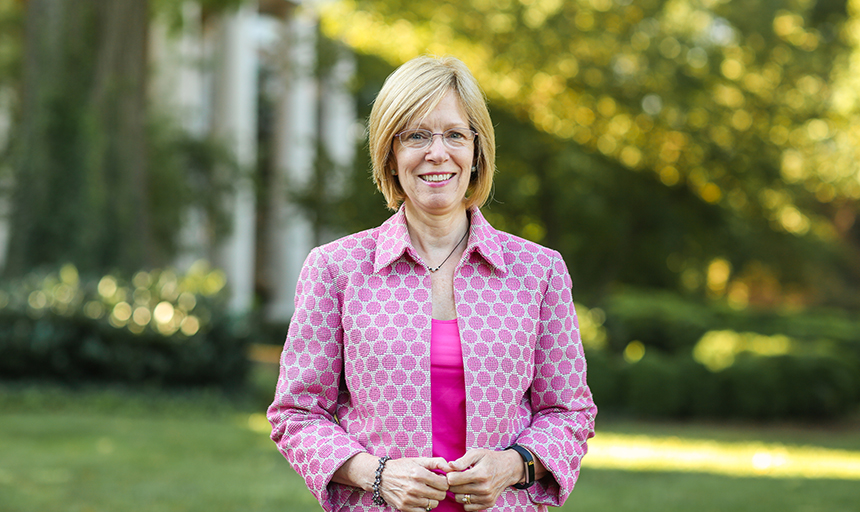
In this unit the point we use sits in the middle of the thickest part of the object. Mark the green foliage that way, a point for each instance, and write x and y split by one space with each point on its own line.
611 225
187 173
99 178
157 329
655 388
643 140
73 217
774 365
660 320
607 378
172 10
755 387
674 324
690 90
787 386
11 40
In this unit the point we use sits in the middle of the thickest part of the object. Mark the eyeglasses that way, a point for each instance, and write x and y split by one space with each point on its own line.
454 138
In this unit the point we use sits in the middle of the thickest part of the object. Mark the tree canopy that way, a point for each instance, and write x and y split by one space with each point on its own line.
718 140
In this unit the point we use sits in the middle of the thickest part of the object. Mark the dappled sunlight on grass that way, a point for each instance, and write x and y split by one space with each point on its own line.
744 459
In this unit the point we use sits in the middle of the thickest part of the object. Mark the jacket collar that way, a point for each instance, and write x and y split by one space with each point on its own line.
393 240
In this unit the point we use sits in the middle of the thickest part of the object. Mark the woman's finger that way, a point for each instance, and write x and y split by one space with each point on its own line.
431 504
437 466
472 502
469 459
432 462
407 484
489 474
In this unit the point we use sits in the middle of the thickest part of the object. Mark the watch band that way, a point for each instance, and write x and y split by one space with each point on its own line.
529 464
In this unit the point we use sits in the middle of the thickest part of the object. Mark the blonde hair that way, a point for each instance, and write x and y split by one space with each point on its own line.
410 93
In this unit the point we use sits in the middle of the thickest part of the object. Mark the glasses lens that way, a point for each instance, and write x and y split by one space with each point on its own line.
416 138
457 137
454 138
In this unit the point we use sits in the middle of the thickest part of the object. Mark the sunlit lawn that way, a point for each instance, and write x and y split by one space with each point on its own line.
109 451
728 468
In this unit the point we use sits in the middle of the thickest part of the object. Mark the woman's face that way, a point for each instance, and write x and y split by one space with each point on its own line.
435 178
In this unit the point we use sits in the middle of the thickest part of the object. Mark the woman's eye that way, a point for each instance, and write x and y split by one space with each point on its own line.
417 136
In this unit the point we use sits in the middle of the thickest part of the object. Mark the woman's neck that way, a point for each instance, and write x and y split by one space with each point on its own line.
432 233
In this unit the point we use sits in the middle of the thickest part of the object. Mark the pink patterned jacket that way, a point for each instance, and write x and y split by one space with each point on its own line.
355 370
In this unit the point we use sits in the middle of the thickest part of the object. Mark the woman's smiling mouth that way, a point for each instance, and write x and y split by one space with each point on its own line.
435 178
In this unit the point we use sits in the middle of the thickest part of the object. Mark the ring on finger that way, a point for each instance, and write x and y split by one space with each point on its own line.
467 498
428 508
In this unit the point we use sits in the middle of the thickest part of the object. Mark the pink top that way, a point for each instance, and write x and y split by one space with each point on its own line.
447 397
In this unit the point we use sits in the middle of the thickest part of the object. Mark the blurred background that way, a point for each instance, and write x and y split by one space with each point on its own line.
166 166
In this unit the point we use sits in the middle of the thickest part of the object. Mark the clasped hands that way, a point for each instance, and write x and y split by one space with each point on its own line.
476 479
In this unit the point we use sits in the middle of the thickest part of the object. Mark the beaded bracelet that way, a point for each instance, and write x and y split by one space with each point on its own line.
377 497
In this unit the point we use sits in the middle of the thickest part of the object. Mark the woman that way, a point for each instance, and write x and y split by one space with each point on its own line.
433 361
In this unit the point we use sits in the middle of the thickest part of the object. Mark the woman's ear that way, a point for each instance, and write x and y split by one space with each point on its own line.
391 164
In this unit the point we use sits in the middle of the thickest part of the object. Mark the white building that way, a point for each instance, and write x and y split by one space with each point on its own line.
207 74
211 71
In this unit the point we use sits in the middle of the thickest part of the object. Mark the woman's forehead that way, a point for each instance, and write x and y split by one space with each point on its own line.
447 104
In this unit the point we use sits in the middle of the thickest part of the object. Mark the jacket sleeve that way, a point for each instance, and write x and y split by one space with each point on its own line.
563 410
304 425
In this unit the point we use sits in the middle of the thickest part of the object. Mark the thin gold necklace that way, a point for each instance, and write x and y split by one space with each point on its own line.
432 269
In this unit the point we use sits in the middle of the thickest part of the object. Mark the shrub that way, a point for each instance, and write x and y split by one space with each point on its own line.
707 360
704 392
820 386
606 379
159 328
673 324
661 320
655 387
753 387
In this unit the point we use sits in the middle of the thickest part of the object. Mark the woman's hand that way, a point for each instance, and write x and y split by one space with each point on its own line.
478 478
407 484
410 485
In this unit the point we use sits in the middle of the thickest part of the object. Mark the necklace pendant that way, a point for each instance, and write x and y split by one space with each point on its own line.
433 270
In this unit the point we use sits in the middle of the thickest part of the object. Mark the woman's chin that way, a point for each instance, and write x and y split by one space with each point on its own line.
437 205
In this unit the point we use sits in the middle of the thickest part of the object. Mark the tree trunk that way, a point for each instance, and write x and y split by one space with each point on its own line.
81 161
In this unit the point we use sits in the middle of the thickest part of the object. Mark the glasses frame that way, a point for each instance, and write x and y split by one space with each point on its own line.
430 140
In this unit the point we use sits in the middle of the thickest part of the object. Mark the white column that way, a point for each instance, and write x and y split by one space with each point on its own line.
339 127
290 237
179 91
5 175
235 122
177 62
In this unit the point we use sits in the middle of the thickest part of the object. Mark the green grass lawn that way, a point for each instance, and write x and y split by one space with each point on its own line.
110 451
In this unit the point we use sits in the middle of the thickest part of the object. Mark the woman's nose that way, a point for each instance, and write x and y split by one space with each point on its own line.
437 148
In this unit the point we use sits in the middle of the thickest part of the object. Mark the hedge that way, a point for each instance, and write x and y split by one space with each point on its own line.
673 324
754 387
158 328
